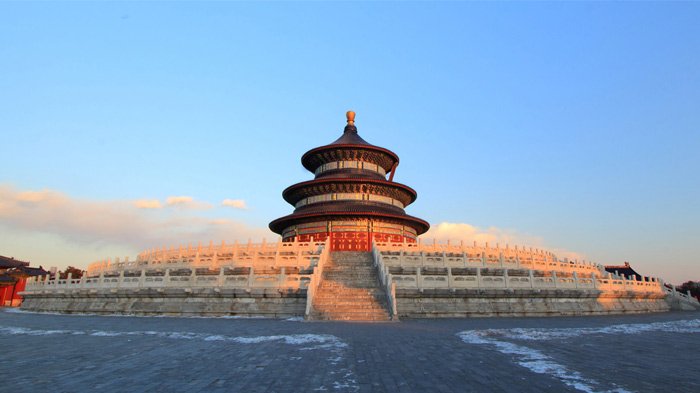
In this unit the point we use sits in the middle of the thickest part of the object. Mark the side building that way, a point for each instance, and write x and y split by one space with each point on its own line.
13 279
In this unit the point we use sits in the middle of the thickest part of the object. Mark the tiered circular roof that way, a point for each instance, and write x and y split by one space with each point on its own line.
385 199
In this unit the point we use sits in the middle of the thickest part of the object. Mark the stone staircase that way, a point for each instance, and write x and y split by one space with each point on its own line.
350 290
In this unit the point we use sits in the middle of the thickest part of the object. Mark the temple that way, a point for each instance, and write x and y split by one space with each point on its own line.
349 251
350 202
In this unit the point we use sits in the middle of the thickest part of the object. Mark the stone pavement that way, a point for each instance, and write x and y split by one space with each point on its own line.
70 353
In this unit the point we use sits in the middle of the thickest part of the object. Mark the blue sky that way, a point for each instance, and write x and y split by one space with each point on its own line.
568 126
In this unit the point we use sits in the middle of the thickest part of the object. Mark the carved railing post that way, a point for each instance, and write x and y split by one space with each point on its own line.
220 278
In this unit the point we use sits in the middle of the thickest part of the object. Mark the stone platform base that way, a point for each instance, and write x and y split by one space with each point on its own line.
438 303
411 303
271 303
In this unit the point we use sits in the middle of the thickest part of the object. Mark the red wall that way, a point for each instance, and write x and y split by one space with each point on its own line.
352 241
12 291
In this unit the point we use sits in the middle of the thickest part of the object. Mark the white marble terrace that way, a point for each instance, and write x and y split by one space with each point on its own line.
258 255
293 265
460 266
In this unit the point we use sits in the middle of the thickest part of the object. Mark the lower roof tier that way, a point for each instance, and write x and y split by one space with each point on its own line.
350 206
398 191
279 225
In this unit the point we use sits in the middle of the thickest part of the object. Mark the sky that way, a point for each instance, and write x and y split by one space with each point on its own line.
573 127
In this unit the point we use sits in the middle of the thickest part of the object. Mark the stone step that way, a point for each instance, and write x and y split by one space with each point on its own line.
333 276
349 294
352 285
349 282
349 308
350 311
359 266
349 268
349 273
348 300
375 312
350 253
346 277
349 290
349 262
351 317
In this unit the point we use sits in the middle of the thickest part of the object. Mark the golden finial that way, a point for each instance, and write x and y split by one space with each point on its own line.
351 117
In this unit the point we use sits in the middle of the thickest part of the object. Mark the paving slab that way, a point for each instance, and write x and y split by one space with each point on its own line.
80 353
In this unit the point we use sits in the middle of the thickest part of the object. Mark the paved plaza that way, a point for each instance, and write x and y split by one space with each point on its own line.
71 353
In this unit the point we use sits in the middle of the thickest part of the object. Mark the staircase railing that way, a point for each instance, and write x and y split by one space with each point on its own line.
681 298
316 278
386 280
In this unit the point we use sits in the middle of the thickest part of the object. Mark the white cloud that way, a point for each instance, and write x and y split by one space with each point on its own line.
178 200
148 204
456 232
113 222
187 202
33 196
234 203
468 233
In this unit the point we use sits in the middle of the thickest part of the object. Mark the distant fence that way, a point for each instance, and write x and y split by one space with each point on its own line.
285 277
445 266
253 267
298 265
280 254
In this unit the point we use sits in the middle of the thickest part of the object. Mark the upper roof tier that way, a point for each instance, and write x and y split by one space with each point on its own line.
349 147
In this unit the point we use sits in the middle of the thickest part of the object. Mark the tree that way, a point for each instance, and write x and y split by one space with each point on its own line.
692 286
75 273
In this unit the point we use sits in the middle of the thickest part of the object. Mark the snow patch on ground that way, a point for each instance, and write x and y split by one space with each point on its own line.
306 342
540 363
327 341
530 334
533 360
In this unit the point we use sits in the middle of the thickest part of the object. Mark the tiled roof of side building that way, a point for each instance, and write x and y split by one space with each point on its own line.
7 279
33 271
625 270
7 262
